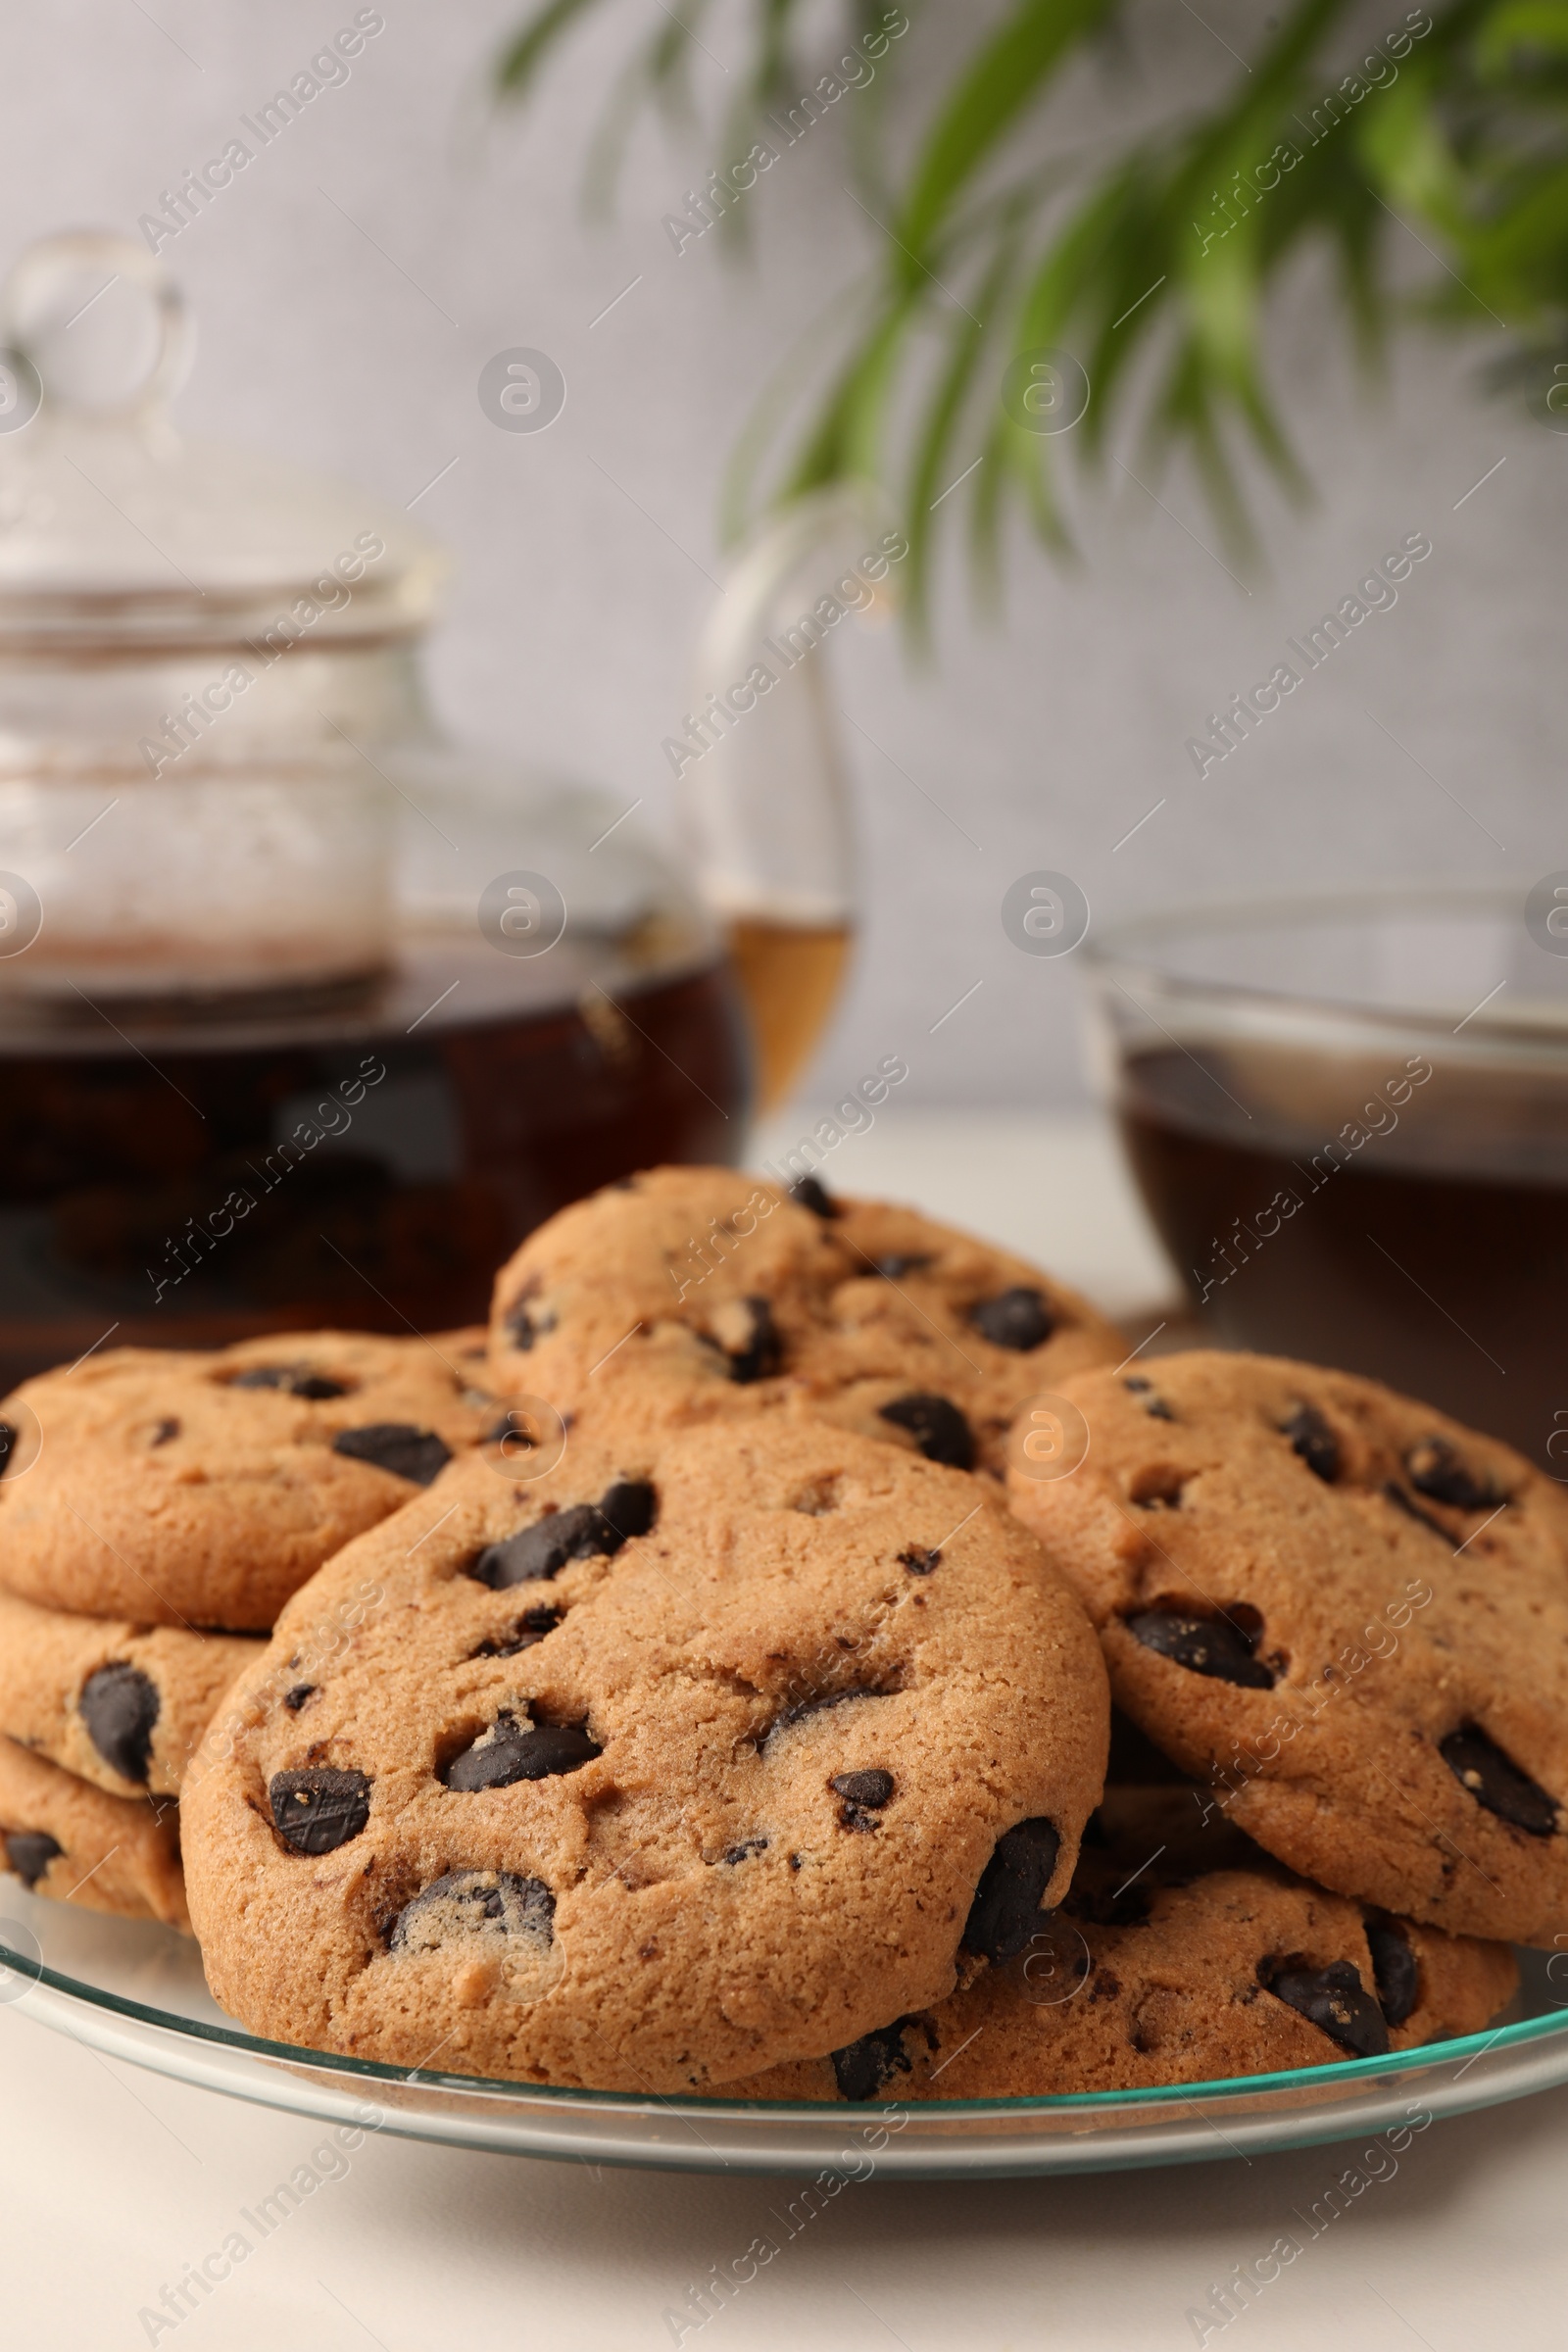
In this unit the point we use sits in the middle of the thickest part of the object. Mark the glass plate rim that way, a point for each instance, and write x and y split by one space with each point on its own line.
1342 2073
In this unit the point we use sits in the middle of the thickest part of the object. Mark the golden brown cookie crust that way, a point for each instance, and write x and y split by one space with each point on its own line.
1410 1592
115 1853
716 1903
166 1491
91 1694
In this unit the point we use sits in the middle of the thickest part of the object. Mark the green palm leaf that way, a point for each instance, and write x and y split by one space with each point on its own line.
1155 266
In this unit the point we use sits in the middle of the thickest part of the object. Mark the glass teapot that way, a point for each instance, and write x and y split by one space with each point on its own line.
306 1015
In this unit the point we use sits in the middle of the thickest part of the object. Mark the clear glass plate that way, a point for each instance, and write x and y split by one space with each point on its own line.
136 1991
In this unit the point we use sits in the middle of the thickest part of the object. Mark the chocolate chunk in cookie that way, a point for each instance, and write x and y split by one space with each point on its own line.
522 1327
1019 1318
1495 1781
511 1750
298 1379
872 1788
753 1348
29 1852
628 1507
864 1794
416 1454
465 1904
939 1430
1212 1645
868 2065
1313 1439
1153 1405
811 1193
120 1706
1006 1908
585 1531
1332 1997
1395 1970
532 1627
538 1552
318 1809
1437 1471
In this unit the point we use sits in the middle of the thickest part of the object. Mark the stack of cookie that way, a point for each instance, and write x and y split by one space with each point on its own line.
1343 1618
156 1512
733 1713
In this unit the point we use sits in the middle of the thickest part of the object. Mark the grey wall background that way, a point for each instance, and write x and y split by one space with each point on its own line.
350 284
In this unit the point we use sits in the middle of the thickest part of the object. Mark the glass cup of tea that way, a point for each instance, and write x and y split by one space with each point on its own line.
1348 1115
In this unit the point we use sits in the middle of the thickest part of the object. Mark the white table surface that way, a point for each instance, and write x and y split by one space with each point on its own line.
112 2181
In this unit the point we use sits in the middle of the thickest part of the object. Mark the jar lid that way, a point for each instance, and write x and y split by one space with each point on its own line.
117 530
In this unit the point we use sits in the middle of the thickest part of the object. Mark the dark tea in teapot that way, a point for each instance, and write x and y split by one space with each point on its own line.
364 1158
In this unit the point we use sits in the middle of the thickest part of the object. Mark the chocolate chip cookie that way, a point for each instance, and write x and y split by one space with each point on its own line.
201 1490
1345 1613
124 1706
697 1752
63 1838
1158 1971
720 1295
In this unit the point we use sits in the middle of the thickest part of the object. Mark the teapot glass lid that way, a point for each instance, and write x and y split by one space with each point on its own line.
116 527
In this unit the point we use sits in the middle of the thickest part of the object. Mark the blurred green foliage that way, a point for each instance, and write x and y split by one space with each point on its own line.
1431 165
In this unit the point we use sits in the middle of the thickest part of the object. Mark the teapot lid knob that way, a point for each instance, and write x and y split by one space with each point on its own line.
54 284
